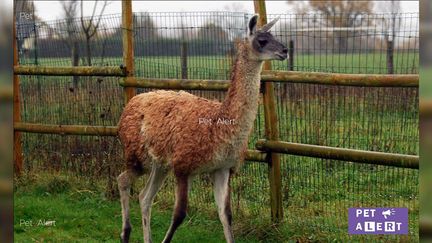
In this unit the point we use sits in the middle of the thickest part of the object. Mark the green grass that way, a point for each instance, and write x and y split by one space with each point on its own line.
216 67
89 218
83 214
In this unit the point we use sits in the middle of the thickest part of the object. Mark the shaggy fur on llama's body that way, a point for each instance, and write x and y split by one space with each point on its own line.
190 134
177 131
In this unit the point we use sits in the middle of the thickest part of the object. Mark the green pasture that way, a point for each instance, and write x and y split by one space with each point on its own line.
315 210
216 67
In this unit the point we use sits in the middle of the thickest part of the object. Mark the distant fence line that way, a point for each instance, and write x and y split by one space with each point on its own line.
360 48
111 47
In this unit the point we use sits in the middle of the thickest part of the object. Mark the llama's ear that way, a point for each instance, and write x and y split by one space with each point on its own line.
252 24
268 26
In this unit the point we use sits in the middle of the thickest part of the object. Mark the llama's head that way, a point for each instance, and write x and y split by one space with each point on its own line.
263 44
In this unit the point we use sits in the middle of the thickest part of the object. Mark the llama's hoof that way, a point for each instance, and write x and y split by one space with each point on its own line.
124 236
123 240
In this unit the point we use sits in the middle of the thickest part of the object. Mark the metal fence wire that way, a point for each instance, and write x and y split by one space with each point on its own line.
199 45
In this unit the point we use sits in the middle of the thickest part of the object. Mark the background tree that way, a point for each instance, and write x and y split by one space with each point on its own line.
90 26
144 26
391 25
25 18
25 6
70 12
337 14
211 31
212 38
232 24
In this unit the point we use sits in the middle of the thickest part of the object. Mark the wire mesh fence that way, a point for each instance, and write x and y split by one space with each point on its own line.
316 192
369 43
342 44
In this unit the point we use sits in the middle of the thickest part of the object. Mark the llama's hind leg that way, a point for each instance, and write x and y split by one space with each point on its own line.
154 183
180 208
125 181
222 195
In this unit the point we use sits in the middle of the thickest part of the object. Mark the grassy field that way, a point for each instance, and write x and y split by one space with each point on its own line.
84 214
217 67
316 192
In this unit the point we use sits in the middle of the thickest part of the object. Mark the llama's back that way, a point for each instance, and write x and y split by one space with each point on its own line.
153 124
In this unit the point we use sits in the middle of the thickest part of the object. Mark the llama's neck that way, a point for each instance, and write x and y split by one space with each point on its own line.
241 102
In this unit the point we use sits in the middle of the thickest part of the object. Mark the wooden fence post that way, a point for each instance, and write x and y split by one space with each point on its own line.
291 56
183 60
17 146
271 130
390 67
128 46
285 87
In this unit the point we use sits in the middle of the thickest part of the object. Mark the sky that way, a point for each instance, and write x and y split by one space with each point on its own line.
50 10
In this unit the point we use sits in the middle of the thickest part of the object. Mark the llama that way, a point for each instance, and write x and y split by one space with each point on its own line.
166 131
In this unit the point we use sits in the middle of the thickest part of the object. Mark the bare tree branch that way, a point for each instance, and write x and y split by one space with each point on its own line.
94 11
89 27
82 16
95 28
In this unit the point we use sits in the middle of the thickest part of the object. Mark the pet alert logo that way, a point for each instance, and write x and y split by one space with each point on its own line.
378 221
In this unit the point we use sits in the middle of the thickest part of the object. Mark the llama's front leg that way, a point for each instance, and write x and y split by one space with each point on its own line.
125 181
154 183
180 207
222 196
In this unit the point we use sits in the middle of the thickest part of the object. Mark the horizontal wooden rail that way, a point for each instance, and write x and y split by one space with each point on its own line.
256 155
70 71
251 155
352 155
364 80
191 84
66 129
425 108
425 226
369 157
6 93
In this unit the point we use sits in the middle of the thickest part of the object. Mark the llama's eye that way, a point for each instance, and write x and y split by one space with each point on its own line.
262 42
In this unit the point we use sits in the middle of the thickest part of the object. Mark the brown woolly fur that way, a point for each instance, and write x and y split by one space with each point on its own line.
190 134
